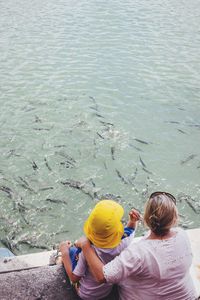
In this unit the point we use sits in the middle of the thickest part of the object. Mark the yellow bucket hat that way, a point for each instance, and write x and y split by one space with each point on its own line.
103 226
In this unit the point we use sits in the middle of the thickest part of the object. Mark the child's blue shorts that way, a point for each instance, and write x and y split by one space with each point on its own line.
74 254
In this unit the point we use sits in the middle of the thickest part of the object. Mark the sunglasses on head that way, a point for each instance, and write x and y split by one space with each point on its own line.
163 193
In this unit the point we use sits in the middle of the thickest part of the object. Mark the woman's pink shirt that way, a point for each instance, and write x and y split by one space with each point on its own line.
154 269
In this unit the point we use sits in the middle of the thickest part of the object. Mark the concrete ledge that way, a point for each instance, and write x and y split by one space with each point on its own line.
25 262
43 283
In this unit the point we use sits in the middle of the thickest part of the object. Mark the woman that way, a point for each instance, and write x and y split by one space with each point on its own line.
156 267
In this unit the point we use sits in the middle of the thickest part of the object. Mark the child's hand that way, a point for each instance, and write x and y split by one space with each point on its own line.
81 242
134 217
64 246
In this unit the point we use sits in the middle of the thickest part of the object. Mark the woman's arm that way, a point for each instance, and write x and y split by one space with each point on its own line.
64 249
95 264
122 266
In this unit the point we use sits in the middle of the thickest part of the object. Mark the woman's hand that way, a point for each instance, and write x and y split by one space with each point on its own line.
81 242
92 259
64 246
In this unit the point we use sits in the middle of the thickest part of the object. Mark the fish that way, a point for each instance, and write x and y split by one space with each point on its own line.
21 207
142 162
188 158
134 175
25 185
41 129
56 200
121 177
43 209
181 131
82 187
192 206
35 167
105 166
182 216
100 135
195 125
73 183
98 115
106 123
23 180
91 194
109 197
12 153
68 157
94 107
181 196
46 188
184 226
138 149
7 190
24 219
37 119
188 199
141 141
47 165
60 146
63 99
173 122
58 232
112 152
147 171
28 109
68 164
92 98
92 182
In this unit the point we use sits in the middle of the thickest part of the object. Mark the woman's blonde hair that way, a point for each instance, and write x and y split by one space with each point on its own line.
161 213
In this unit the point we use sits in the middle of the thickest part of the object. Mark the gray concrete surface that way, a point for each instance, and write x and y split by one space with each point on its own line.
43 283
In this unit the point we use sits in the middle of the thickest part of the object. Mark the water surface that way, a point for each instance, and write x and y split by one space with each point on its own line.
104 94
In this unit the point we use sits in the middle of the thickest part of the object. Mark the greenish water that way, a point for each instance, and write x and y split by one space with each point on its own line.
102 93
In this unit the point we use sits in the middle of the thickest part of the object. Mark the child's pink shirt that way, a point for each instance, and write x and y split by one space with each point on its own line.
89 288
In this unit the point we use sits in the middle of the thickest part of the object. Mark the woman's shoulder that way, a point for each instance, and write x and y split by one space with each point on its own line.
175 232
180 232
144 244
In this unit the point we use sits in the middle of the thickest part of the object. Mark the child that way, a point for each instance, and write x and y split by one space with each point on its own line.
105 231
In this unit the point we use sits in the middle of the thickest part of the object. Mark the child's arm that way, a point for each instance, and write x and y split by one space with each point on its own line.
131 226
134 217
64 249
